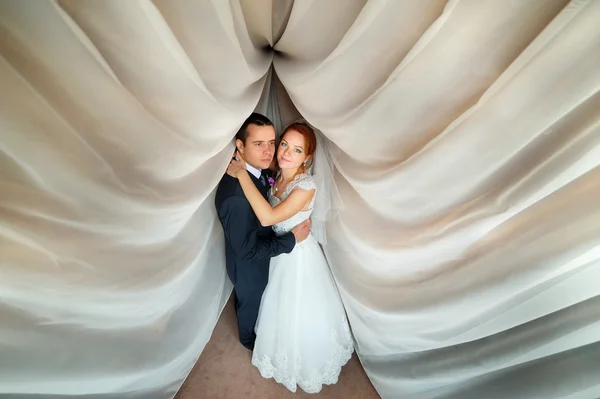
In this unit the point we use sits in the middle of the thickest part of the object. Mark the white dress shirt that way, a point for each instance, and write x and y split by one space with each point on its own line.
253 170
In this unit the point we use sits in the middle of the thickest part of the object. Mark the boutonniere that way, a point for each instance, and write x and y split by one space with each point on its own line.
270 176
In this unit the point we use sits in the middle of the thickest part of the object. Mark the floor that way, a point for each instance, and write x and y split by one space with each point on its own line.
224 371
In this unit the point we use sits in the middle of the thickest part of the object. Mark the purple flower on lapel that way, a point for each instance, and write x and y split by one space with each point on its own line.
271 181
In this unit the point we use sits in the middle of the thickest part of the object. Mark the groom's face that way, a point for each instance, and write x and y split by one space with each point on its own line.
259 148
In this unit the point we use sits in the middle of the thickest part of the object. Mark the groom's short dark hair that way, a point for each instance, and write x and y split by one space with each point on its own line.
253 119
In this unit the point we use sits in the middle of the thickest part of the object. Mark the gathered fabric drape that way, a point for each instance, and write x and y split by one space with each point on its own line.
116 126
466 140
467 137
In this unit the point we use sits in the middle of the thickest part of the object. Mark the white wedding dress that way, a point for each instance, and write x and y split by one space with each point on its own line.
302 333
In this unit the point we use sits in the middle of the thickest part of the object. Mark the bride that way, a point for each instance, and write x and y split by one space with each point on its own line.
303 337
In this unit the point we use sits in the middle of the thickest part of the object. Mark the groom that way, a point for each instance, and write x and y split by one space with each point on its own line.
248 245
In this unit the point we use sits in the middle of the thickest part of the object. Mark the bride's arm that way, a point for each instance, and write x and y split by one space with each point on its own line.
268 216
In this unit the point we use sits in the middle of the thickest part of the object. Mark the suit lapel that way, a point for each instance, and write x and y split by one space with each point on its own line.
262 188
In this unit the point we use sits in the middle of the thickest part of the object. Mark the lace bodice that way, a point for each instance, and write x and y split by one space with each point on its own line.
303 181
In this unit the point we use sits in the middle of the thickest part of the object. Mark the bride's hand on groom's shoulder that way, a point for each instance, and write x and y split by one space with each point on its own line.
236 165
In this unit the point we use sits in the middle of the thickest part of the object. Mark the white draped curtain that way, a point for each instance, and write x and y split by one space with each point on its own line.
466 140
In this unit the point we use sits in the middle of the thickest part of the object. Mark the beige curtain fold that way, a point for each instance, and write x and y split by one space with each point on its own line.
116 124
466 139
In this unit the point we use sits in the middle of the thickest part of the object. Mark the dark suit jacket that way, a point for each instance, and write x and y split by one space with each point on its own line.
248 245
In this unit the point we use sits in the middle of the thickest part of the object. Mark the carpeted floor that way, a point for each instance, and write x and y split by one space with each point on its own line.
224 371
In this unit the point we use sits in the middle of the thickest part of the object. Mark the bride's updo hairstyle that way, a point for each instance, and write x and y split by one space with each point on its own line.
310 142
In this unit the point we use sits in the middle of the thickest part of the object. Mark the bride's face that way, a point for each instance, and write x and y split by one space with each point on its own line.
291 152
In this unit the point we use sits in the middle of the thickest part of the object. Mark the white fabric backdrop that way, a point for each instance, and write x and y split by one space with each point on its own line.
117 119
467 142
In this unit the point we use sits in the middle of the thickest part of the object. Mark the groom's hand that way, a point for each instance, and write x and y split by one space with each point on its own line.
301 231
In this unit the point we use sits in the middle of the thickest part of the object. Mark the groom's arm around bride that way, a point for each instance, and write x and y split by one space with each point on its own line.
244 236
248 250
249 246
